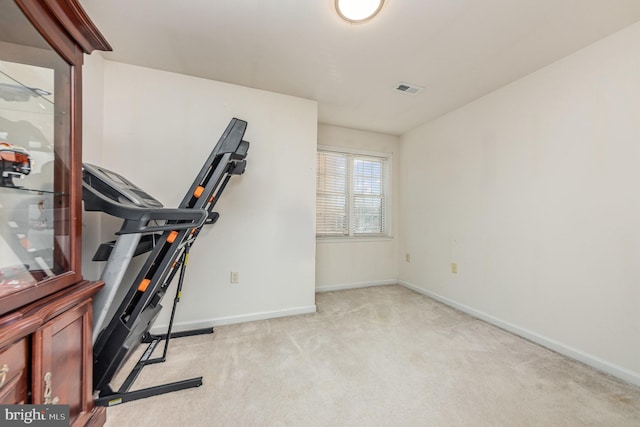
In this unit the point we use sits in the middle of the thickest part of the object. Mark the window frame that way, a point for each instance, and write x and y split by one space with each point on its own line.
387 185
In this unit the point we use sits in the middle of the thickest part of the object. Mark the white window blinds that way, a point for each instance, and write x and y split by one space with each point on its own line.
351 195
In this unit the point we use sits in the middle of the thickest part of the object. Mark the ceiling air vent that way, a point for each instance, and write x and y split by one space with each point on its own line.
408 88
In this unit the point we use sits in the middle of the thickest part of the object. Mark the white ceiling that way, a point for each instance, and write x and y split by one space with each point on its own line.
458 50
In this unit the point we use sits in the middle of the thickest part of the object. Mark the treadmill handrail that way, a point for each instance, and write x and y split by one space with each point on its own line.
137 218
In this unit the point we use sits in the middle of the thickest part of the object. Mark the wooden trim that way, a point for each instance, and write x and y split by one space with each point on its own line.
41 340
77 23
16 331
64 23
57 304
49 27
42 289
75 173
87 357
28 319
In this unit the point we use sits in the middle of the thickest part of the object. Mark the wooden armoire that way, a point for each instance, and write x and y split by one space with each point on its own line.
45 304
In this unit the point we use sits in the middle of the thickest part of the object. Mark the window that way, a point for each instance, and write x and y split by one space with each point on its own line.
352 194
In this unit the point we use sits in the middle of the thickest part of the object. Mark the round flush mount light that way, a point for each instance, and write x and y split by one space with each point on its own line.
358 10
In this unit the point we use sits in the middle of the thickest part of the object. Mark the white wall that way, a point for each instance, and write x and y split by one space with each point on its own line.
353 263
534 191
158 127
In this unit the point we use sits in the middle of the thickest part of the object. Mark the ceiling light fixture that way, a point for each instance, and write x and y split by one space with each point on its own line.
358 10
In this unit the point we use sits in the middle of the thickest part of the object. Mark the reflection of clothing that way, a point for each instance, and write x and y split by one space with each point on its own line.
21 132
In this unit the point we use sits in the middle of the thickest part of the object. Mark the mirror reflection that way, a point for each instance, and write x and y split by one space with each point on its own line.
34 154
26 174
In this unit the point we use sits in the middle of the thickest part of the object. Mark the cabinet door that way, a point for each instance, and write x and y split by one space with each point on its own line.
13 377
62 363
36 188
41 52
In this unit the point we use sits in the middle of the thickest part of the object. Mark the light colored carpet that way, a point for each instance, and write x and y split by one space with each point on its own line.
380 356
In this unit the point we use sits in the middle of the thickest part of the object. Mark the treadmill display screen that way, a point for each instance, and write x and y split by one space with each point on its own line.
115 177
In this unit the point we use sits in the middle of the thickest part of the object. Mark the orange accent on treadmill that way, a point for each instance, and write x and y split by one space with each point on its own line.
172 236
198 191
143 285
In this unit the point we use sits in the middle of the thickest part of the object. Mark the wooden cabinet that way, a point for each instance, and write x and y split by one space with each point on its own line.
45 304
46 347
13 374
63 362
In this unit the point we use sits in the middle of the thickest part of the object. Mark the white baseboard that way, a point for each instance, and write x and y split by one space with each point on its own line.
595 362
219 321
342 287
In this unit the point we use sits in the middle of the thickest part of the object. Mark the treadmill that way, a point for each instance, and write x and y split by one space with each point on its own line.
124 311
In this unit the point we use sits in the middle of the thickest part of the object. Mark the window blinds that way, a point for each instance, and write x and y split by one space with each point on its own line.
351 194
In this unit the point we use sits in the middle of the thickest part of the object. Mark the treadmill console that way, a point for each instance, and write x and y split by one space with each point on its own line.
117 187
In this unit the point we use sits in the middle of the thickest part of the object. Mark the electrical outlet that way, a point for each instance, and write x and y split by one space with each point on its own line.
235 277
407 257
454 268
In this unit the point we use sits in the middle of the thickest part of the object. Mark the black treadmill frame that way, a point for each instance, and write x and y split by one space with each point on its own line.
131 322
124 395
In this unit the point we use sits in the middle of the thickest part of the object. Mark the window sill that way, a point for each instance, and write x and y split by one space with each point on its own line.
363 239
